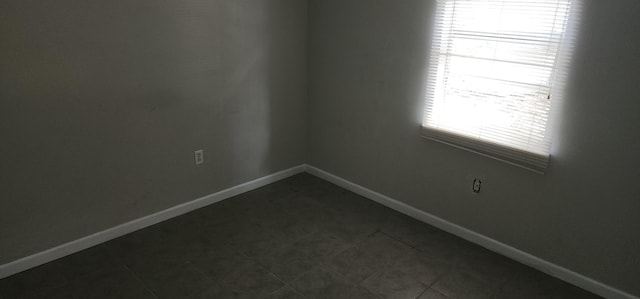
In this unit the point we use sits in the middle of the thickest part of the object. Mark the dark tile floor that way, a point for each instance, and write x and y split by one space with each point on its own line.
298 238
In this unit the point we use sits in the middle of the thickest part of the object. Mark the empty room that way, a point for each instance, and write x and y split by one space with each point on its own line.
320 149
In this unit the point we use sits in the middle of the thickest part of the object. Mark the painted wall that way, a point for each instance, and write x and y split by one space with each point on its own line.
367 61
102 104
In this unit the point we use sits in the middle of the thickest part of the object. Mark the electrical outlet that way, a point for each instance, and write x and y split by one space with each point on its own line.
198 157
476 186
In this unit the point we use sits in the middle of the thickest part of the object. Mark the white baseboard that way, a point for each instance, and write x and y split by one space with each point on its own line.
63 250
559 272
60 251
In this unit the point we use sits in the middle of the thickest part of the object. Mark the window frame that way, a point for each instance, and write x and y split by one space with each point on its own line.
530 160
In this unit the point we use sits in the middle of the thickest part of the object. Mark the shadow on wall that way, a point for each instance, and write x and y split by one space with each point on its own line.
108 100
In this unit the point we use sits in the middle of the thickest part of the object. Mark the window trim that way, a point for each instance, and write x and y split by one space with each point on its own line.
529 160
486 148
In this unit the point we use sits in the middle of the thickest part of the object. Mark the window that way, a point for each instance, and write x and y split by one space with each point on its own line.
496 71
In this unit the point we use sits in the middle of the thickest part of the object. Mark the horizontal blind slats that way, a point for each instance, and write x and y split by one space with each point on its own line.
491 76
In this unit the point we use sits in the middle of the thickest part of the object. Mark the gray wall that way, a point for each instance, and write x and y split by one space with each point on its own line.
367 73
102 104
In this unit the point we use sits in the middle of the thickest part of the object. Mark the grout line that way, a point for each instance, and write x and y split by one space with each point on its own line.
144 284
424 291
438 292
547 267
73 246
449 269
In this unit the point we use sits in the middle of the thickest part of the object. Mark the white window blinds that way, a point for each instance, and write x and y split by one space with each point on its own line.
495 72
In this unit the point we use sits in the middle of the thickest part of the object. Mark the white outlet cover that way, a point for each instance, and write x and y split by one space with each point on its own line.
198 157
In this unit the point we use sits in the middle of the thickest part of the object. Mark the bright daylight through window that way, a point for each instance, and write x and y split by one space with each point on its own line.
496 70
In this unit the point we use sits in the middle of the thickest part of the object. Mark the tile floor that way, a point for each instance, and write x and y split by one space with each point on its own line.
298 238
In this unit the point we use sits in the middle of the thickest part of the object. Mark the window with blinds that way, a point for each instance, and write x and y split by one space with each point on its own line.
496 71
